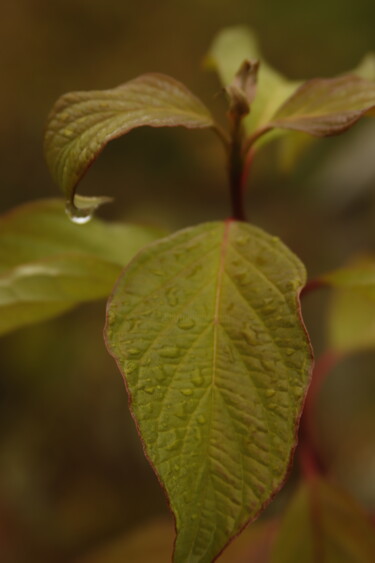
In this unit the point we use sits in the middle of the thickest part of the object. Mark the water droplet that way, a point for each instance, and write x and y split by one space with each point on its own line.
201 419
77 216
180 411
250 336
173 443
268 365
172 297
134 351
241 240
185 323
187 392
130 367
270 392
197 378
169 352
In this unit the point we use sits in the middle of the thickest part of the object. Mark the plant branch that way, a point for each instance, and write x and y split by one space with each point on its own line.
235 170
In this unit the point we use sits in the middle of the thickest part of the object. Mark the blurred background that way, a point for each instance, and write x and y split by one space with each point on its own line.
72 473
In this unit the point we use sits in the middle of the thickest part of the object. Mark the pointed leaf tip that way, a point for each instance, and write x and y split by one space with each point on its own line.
205 326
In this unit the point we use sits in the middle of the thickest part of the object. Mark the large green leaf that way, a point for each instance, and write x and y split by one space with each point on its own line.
82 123
323 523
48 264
205 325
326 106
352 311
228 51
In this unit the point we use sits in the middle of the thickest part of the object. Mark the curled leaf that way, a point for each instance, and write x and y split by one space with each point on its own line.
82 123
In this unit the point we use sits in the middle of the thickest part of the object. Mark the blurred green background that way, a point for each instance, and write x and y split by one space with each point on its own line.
72 472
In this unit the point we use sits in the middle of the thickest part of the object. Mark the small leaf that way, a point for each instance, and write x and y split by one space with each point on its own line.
48 265
326 106
323 523
241 92
82 123
205 326
229 49
352 310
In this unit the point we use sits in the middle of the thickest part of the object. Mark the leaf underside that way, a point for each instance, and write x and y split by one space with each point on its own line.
205 325
48 264
82 123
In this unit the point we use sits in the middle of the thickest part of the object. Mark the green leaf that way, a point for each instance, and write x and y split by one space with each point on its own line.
48 264
323 523
326 106
229 49
352 311
205 325
82 123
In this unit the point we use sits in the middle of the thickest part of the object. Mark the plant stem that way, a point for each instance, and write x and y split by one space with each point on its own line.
236 170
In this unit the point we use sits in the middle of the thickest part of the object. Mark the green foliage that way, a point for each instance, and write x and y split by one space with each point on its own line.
82 123
49 265
205 325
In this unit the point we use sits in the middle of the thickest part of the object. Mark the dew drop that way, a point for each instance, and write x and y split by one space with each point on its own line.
185 323
172 445
77 216
268 365
250 336
197 378
169 352
172 297
130 367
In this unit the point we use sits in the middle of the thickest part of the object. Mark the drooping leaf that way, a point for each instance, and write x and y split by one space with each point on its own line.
82 123
228 51
352 311
323 523
205 326
48 264
326 106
